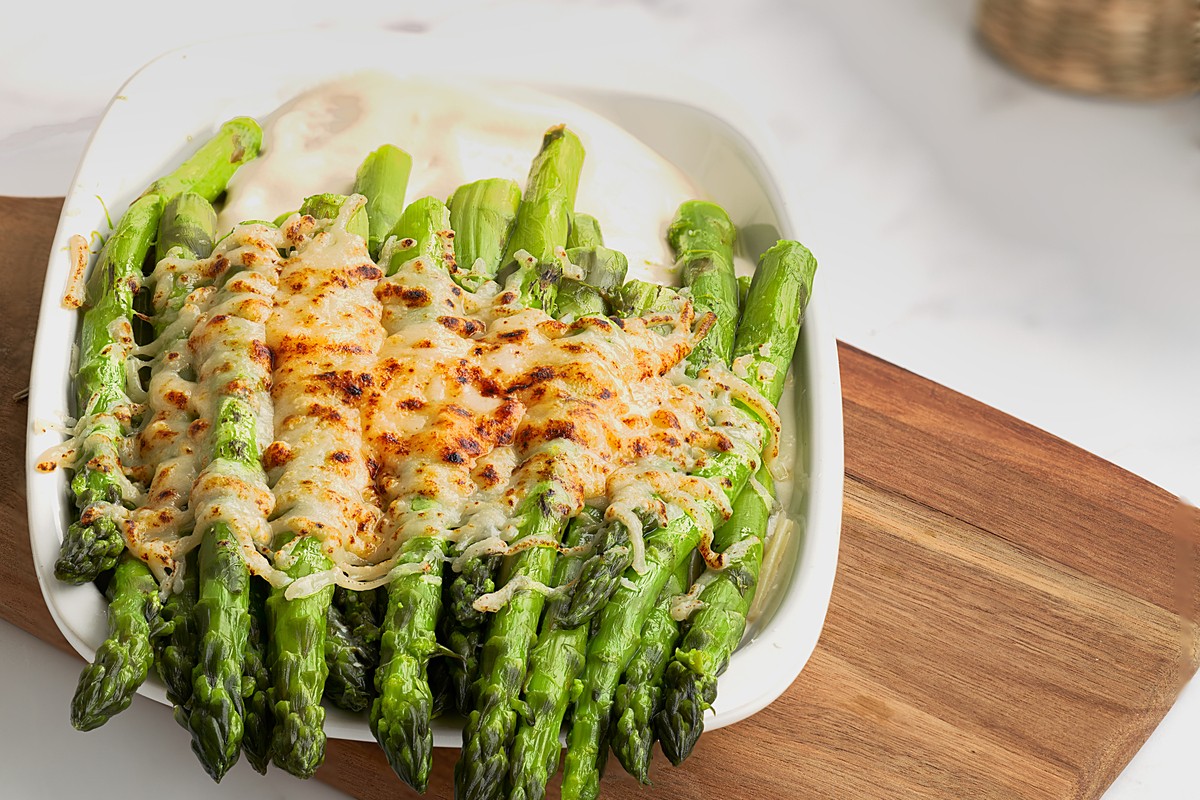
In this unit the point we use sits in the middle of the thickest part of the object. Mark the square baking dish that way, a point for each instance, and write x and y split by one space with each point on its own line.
150 125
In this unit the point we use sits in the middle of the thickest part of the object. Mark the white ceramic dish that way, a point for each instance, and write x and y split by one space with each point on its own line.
148 128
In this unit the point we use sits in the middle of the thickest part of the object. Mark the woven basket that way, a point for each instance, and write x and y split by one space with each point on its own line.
1141 49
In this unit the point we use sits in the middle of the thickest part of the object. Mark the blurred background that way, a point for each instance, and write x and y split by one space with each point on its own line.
1033 247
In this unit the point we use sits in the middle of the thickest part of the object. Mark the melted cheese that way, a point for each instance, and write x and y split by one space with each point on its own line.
405 406
325 332
73 294
232 361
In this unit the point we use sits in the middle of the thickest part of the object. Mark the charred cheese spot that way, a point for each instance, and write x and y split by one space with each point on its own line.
276 455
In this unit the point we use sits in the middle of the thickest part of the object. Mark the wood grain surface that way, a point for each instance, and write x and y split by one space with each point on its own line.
1012 616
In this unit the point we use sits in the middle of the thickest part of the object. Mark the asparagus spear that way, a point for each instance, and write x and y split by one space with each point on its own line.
351 649
175 649
221 614
553 665
778 296
93 543
640 298
403 707
235 375
639 696
689 682
327 206
476 579
482 215
382 179
617 633
575 299
259 719
785 274
600 574
296 654
603 570
423 231
463 668
771 326
186 230
106 686
603 270
296 657
702 235
490 728
483 763
544 216
541 222
585 232
208 171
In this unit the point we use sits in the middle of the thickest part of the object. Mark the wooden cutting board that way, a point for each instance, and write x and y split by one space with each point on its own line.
1012 616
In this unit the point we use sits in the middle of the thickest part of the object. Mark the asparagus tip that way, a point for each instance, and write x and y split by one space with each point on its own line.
680 722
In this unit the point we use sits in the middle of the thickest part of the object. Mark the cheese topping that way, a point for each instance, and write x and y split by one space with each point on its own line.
73 295
399 406
234 365
325 332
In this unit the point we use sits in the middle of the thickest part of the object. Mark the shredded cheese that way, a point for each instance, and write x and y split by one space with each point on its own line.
73 294
403 406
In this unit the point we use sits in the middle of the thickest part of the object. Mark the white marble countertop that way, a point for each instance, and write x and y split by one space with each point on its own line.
1031 249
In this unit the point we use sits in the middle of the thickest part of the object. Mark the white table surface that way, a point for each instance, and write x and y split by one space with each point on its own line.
1034 250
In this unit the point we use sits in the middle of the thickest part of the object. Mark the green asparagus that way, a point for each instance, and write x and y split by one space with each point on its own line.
106 686
604 569
702 236
296 658
689 682
775 306
482 215
639 696
328 206
351 649
208 171
382 179
600 574
258 718
603 269
465 643
554 663
403 706
771 327
402 710
544 216
777 297
175 649
186 230
490 728
483 763
94 542
585 232
222 613
542 223
423 231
